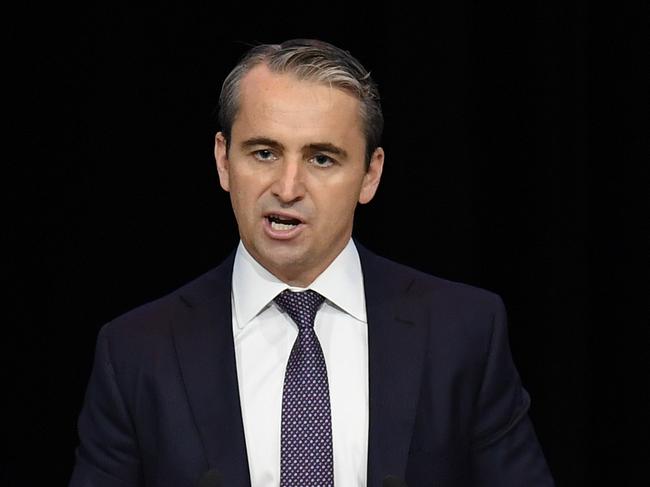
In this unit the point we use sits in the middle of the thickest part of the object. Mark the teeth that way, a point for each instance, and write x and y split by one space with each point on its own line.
281 226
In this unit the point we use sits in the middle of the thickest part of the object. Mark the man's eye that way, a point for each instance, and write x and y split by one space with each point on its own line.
322 161
264 155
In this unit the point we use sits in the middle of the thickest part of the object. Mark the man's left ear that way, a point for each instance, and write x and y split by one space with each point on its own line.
372 176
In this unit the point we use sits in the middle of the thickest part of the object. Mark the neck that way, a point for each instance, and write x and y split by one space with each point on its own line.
299 277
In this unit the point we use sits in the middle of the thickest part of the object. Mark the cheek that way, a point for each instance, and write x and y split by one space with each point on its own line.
242 208
339 203
244 195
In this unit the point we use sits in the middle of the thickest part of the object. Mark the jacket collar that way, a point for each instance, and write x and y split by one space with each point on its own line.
206 353
396 348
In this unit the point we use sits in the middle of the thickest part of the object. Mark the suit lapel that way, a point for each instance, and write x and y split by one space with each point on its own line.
396 346
204 344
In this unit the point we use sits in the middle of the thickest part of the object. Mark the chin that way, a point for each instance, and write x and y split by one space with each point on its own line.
279 256
284 259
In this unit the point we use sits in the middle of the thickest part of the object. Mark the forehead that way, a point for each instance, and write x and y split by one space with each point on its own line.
273 102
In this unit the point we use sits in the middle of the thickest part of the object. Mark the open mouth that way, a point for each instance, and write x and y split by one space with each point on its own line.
282 223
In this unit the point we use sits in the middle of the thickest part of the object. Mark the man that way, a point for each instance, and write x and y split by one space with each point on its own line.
362 372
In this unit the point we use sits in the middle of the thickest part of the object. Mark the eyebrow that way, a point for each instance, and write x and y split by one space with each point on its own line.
254 141
315 147
327 147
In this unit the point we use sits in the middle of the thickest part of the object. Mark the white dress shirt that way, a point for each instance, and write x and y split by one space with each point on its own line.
264 336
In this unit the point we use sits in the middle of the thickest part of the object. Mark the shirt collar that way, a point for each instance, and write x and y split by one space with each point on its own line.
254 287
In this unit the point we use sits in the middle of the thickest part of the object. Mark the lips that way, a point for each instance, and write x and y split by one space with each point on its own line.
279 222
282 226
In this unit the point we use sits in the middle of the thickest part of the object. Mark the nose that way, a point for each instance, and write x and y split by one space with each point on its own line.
288 185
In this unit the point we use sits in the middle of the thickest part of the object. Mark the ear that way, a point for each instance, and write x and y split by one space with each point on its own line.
372 177
221 156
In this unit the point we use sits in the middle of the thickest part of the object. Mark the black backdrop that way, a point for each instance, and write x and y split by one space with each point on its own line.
514 162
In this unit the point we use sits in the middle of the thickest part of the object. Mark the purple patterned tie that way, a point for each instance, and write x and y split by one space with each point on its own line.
306 456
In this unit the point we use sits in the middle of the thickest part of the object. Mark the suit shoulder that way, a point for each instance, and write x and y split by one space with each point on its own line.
153 318
435 289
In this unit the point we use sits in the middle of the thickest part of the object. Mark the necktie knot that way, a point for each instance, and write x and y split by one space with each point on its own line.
301 306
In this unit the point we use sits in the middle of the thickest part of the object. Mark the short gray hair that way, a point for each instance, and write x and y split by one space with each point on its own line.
310 60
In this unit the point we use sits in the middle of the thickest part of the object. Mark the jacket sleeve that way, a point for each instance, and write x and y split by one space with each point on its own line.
505 452
108 454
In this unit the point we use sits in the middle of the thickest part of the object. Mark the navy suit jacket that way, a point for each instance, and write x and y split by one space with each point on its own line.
447 407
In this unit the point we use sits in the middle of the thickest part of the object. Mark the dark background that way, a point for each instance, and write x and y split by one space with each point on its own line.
516 161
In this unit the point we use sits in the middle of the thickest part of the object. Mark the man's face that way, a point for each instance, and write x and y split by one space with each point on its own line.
295 170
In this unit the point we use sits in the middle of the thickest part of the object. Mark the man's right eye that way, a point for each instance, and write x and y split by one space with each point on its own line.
264 155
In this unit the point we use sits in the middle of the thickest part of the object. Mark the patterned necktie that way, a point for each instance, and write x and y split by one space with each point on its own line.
306 455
